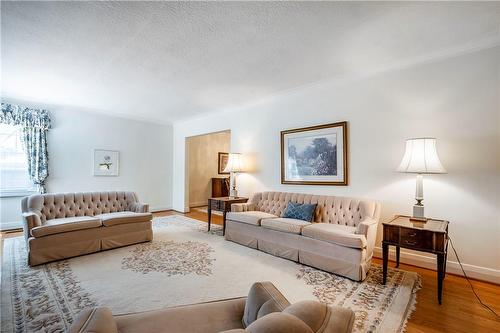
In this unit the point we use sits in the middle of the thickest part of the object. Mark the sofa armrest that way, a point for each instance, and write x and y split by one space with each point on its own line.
368 228
30 221
242 207
95 320
263 298
140 207
365 225
341 320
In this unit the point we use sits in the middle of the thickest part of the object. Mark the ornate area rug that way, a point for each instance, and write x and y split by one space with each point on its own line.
183 265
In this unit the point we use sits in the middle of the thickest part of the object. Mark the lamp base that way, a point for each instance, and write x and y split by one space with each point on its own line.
418 213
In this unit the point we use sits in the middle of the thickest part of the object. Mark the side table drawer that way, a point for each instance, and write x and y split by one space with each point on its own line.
419 239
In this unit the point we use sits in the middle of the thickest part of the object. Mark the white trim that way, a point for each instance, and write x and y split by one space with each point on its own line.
159 208
425 261
16 193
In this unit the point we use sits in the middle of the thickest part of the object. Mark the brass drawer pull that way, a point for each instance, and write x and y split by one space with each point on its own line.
410 242
413 234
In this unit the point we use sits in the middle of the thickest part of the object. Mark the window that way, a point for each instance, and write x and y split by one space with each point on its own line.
14 177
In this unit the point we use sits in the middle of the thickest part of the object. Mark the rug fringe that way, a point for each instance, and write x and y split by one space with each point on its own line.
413 303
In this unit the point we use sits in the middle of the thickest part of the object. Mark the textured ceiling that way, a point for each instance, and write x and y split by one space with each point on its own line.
167 61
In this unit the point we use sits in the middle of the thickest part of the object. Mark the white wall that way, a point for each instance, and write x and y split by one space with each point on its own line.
454 98
145 157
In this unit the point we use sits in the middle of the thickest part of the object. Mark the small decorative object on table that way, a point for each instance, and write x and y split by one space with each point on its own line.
223 205
429 236
421 158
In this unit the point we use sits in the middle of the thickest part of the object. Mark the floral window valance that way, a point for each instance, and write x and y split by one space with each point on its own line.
25 117
35 124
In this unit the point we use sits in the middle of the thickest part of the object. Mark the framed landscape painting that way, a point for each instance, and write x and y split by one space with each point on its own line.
315 155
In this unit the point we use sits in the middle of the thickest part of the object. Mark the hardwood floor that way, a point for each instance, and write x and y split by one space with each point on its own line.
460 311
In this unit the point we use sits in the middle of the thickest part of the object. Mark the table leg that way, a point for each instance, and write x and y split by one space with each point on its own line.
440 275
209 215
385 256
445 261
224 223
397 256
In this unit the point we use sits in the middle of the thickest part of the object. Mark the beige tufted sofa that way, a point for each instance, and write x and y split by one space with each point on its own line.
265 310
340 239
63 225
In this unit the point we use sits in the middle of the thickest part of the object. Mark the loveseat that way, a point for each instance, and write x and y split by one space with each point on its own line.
265 310
339 239
63 225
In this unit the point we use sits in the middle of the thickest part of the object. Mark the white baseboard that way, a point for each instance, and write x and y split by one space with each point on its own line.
476 272
159 208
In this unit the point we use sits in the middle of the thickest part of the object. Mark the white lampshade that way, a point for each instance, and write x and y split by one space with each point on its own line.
235 163
421 157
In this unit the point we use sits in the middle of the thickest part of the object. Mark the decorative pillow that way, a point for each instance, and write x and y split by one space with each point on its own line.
299 211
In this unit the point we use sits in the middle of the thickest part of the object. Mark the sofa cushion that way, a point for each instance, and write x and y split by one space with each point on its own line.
335 233
111 219
250 217
279 322
321 317
293 226
57 226
299 211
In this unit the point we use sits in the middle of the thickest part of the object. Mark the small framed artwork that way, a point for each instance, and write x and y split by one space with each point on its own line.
315 155
106 162
221 165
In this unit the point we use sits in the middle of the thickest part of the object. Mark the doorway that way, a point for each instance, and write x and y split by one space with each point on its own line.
204 155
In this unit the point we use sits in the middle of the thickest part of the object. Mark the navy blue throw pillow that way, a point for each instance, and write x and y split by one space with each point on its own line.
299 211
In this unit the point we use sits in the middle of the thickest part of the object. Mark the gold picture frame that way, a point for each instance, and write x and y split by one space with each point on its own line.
315 155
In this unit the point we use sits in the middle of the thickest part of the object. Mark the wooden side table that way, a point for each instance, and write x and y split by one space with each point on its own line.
430 236
222 204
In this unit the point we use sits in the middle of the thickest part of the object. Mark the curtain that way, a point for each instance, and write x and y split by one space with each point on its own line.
35 124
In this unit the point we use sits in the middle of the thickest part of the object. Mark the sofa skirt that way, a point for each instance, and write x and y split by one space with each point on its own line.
126 234
63 245
345 261
80 242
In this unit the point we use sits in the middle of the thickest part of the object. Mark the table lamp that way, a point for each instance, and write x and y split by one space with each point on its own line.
421 158
234 166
